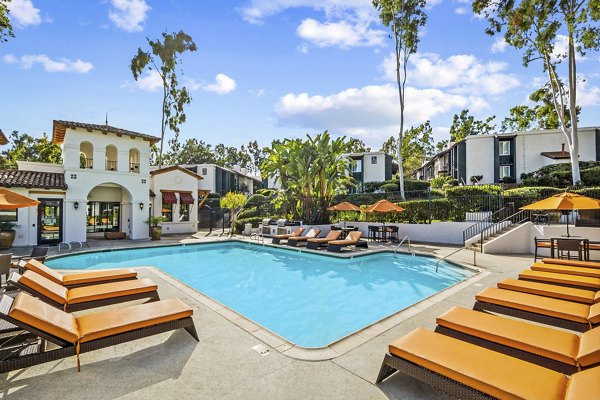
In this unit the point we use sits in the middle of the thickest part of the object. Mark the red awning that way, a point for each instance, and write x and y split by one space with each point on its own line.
186 198
169 198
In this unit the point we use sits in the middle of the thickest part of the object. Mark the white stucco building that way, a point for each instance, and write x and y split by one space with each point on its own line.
221 180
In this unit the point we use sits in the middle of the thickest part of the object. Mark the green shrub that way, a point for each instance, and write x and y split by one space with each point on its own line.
414 184
251 212
461 191
591 176
370 187
440 181
389 187
238 225
257 199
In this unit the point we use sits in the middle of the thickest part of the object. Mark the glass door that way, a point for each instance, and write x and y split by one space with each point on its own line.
50 221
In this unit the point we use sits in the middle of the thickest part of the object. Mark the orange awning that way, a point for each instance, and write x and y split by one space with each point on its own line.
384 206
10 200
565 201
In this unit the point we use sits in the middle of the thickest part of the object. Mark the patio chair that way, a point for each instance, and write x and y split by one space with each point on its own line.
552 348
575 281
353 239
83 298
545 289
75 335
566 246
37 253
315 243
313 233
566 269
81 278
278 238
545 310
573 263
467 371
5 260
540 244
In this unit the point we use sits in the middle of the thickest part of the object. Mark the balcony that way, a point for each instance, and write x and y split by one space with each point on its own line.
111 165
86 163
134 167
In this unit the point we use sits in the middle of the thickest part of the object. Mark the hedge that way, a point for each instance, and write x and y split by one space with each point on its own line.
238 225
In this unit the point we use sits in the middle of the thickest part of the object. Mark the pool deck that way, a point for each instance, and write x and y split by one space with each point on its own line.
232 361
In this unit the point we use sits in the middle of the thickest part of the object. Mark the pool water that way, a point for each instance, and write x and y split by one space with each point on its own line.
308 299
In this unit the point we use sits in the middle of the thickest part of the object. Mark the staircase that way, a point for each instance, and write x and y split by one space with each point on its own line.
493 230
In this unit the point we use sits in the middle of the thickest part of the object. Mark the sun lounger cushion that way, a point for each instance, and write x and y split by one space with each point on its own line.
574 263
565 279
490 372
547 342
296 232
41 269
589 348
332 235
110 290
44 286
353 238
563 309
566 269
98 276
98 325
584 385
548 290
44 317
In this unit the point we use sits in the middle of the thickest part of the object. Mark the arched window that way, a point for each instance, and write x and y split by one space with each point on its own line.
134 160
86 152
111 158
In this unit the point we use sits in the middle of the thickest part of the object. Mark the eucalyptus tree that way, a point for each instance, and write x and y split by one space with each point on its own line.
403 17
535 26
464 125
5 26
163 58
417 145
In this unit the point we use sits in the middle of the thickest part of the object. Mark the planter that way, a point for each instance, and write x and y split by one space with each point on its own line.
6 239
155 232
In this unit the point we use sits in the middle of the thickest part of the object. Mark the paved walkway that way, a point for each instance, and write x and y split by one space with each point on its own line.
223 365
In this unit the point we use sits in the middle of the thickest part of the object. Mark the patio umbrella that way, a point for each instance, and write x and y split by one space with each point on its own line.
10 200
344 206
565 202
384 206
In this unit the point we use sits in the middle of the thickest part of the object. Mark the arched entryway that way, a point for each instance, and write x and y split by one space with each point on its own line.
108 210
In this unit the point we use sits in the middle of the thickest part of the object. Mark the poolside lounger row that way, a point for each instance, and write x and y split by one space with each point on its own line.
331 241
315 243
294 240
278 238
81 278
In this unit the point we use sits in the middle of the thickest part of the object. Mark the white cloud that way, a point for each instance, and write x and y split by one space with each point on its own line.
24 13
255 11
461 11
343 33
129 15
223 85
49 65
561 49
257 93
587 94
460 74
371 112
499 45
150 81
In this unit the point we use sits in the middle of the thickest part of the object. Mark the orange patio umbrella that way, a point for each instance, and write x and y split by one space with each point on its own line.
384 206
344 206
10 200
565 202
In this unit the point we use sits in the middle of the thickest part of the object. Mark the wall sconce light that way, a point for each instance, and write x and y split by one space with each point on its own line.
76 205
141 206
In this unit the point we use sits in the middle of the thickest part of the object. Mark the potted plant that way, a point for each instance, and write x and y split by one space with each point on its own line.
7 234
155 229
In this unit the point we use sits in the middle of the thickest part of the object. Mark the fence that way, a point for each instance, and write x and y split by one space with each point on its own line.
214 219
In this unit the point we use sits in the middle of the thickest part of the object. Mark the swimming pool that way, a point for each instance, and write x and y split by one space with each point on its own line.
308 299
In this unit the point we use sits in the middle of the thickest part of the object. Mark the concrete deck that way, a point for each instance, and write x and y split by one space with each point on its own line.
224 365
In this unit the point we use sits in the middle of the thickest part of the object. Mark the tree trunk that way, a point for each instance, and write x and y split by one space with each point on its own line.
162 126
574 148
401 100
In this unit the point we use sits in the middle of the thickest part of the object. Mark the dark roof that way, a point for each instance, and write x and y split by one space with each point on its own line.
3 139
556 155
175 168
32 179
59 129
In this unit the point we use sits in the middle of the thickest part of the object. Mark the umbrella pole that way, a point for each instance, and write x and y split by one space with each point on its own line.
568 236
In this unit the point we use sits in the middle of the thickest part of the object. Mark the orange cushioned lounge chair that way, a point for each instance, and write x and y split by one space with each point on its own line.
85 297
545 310
353 239
315 243
546 289
551 348
80 278
75 335
296 233
567 269
313 233
576 281
573 263
464 370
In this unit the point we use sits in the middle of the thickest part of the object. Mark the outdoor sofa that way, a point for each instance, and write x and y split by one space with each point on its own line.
72 335
315 243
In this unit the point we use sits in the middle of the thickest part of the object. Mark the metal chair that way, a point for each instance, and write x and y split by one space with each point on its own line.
38 252
569 245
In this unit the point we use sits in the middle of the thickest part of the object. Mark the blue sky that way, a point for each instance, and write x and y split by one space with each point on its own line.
264 69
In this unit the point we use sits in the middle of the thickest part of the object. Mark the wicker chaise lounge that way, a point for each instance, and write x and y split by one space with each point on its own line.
576 281
75 335
551 348
81 278
353 239
467 371
85 297
315 243
567 269
545 310
312 233
278 238
549 290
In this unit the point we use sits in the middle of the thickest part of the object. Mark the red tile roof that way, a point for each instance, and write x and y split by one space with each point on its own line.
59 129
3 139
32 179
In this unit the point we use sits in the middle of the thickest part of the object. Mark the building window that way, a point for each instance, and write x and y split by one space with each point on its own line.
103 216
357 166
504 171
167 212
373 159
134 161
504 148
204 171
9 215
184 212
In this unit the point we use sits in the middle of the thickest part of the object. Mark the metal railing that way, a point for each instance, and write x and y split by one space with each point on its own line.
405 238
111 165
483 223
437 263
516 218
134 167
87 163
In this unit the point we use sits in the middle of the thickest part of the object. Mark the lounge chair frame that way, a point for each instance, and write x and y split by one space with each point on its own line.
392 363
151 296
29 356
531 316
546 362
337 248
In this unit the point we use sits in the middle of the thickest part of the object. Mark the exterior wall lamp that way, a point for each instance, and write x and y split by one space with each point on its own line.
141 206
76 205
